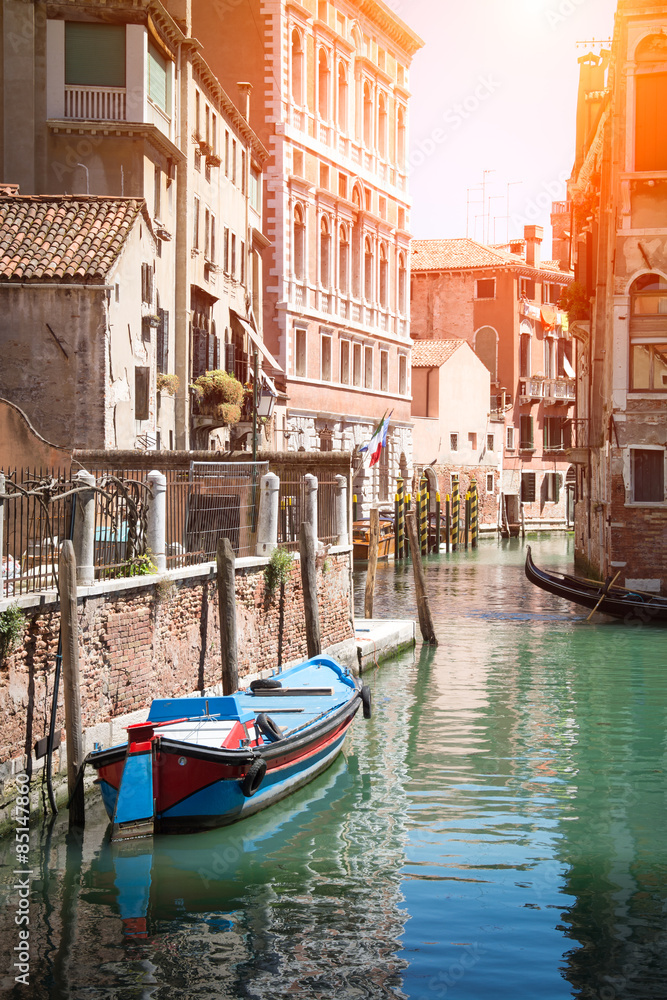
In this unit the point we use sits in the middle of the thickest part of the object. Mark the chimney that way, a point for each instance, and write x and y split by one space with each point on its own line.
560 233
533 237
244 90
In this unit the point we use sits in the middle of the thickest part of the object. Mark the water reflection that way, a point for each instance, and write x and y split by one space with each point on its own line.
496 830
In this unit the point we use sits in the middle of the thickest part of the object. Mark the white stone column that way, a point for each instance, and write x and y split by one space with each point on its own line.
156 527
267 524
310 512
84 529
341 521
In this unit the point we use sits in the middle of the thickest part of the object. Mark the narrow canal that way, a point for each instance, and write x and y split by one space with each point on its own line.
497 830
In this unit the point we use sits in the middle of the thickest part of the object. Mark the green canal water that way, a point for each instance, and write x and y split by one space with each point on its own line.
497 830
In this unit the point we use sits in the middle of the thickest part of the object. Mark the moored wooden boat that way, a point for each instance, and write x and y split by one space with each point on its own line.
619 602
204 762
361 532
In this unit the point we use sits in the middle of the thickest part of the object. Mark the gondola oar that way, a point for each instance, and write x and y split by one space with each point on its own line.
605 590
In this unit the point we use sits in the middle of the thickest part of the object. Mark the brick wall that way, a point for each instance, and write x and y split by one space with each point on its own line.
162 639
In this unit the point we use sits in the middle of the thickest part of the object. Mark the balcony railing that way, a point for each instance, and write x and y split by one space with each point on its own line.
530 389
559 390
96 103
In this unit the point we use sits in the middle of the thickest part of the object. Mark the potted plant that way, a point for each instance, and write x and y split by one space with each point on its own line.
219 395
168 384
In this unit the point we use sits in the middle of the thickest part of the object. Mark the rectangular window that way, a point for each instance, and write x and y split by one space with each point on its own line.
147 283
225 250
141 393
214 132
490 484
157 192
197 114
526 434
342 186
345 362
551 293
207 125
226 153
233 161
300 353
212 240
195 224
472 441
648 475
526 288
94 54
402 375
553 433
368 367
527 487
256 190
510 439
650 134
552 487
490 442
485 288
326 359
162 353
524 355
243 172
648 367
207 229
384 371
232 262
159 91
356 355
324 176
453 442
242 264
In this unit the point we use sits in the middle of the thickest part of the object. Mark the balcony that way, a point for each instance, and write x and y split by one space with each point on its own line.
559 391
578 448
96 103
531 390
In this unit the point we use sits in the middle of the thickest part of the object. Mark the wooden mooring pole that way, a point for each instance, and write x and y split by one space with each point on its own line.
373 543
309 584
69 622
423 607
226 573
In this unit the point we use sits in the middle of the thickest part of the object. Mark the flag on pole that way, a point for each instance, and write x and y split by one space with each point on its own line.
371 451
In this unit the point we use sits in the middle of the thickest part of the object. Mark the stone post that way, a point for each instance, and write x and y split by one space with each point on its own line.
310 512
267 525
157 523
341 511
84 529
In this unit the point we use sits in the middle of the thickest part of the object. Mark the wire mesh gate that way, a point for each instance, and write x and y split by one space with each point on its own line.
223 499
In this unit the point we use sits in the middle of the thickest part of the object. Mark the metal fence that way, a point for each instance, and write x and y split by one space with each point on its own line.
292 510
222 502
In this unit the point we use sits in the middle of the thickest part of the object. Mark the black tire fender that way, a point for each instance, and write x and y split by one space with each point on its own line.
366 701
264 683
253 777
267 727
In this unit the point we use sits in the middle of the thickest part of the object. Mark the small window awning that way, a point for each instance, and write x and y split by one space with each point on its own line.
255 339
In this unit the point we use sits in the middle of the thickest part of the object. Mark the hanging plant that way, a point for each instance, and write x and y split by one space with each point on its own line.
219 395
169 384
12 627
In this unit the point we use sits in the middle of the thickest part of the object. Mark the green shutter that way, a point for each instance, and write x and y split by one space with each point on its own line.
94 54
158 79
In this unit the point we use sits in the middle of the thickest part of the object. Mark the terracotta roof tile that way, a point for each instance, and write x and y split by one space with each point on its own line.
433 353
66 238
434 255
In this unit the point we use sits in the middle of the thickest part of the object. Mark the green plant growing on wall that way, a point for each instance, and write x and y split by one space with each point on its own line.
12 627
278 571
219 395
142 565
575 302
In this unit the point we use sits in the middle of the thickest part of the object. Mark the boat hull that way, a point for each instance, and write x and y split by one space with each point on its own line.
160 783
627 605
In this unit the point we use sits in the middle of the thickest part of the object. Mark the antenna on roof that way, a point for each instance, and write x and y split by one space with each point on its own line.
509 185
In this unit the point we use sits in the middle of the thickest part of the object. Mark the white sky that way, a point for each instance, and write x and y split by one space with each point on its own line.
494 89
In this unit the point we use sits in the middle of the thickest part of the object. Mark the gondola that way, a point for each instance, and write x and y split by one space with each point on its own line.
630 605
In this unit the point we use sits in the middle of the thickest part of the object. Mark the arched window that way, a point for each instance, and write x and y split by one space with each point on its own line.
357 238
299 243
368 270
384 265
486 349
382 126
342 97
368 115
323 85
343 259
402 283
650 102
648 333
325 253
400 137
297 68
526 336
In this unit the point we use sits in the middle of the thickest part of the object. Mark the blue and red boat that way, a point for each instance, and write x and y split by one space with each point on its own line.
201 762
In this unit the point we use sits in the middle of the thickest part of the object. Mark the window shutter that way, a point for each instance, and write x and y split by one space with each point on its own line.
94 54
230 358
158 83
141 393
163 341
650 135
556 476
